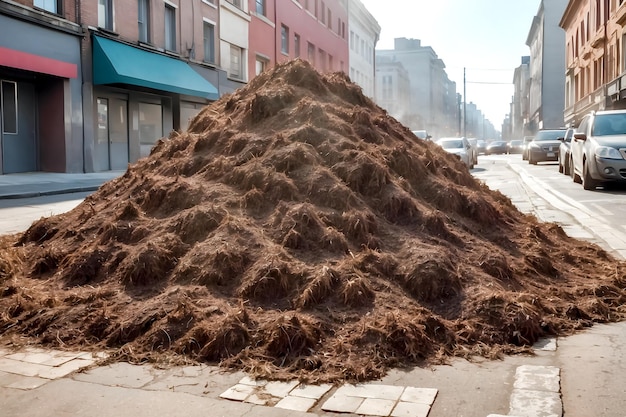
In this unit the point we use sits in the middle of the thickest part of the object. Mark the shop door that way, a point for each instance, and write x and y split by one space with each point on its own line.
112 134
18 122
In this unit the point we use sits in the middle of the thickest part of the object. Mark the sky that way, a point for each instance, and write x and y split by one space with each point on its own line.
486 37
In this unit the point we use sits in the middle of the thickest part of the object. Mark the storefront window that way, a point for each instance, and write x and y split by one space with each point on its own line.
9 107
150 126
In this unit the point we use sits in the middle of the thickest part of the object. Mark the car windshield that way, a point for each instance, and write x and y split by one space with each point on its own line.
451 143
497 143
609 124
549 135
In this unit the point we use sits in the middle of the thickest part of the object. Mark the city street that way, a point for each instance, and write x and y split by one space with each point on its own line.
587 369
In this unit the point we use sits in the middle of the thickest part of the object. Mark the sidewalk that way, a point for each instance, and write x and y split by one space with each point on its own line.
35 184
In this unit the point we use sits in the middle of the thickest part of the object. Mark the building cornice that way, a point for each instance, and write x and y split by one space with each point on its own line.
41 18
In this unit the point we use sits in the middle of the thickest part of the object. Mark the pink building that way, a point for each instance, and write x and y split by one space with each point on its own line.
314 30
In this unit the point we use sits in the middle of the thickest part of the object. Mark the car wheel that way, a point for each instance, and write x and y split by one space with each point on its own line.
560 167
588 182
531 160
566 166
572 173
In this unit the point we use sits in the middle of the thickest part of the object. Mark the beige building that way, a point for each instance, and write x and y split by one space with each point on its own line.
595 57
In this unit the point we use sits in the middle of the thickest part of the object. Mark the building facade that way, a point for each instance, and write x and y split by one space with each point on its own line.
546 40
393 89
433 105
519 112
91 85
364 34
595 57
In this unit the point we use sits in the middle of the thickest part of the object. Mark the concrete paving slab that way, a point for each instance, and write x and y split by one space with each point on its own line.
259 399
246 380
310 391
27 382
528 403
238 392
21 368
296 403
119 374
537 378
376 407
404 409
55 372
547 344
419 395
279 389
342 404
386 392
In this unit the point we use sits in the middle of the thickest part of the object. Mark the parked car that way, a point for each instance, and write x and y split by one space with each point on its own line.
422 134
515 146
598 149
545 146
525 142
474 143
482 146
459 147
564 151
496 147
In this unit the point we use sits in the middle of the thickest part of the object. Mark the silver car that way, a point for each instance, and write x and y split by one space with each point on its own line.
459 147
598 149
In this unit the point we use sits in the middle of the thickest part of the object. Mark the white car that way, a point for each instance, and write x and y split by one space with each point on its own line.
460 147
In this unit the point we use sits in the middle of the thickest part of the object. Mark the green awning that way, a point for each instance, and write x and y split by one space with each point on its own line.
117 63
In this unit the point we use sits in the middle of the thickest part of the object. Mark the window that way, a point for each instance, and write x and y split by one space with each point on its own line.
284 39
311 53
8 95
143 20
236 62
296 45
323 13
330 20
53 6
236 3
209 42
387 87
170 28
261 65
260 7
105 14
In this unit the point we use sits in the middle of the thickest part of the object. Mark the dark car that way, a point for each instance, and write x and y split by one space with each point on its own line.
564 151
515 146
545 146
525 142
496 147
598 149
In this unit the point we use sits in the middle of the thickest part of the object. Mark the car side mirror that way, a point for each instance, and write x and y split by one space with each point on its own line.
580 136
561 139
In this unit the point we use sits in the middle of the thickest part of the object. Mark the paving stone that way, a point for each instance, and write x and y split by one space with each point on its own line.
342 404
296 403
259 399
55 372
376 407
21 368
246 380
537 378
38 357
121 374
279 389
27 383
419 395
238 392
535 403
406 409
547 344
310 391
385 392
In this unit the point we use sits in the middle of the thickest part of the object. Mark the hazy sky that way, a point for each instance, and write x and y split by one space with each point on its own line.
487 37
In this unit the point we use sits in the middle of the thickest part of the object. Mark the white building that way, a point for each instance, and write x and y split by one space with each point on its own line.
364 34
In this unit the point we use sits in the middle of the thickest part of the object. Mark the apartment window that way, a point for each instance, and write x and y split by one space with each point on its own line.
330 20
52 6
8 96
322 55
387 87
260 7
352 40
105 14
284 39
296 45
323 13
143 20
311 53
236 62
209 42
170 28
236 3
261 65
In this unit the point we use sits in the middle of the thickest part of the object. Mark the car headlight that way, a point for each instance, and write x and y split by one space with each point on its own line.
608 152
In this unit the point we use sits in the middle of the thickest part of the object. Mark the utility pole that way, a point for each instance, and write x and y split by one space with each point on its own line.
464 107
